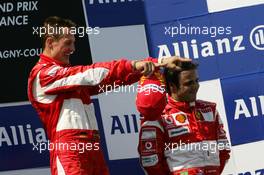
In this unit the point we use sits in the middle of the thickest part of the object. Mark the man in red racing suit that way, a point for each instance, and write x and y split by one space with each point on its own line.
189 137
61 95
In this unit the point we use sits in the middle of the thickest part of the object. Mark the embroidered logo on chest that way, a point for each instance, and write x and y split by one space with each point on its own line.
199 116
205 114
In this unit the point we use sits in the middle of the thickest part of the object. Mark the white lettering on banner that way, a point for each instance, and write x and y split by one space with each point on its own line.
238 41
211 48
19 53
18 20
27 6
14 20
109 1
257 37
257 172
6 7
19 6
124 124
243 109
13 134
206 48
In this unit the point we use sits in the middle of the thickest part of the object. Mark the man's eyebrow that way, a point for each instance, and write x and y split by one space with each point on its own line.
67 39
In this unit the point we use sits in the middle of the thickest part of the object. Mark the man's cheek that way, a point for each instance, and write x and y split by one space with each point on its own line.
67 50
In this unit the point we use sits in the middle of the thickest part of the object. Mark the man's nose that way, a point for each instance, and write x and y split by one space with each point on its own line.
195 86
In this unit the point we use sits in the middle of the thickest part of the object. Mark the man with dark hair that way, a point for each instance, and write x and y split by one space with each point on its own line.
54 27
189 137
172 77
61 95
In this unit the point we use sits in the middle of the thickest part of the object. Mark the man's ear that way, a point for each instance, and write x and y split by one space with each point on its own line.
49 42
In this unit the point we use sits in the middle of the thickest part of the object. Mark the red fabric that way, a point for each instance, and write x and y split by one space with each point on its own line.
151 96
52 85
224 156
79 153
151 149
183 122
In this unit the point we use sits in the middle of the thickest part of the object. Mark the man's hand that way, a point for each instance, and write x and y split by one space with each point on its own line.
172 62
148 67
144 67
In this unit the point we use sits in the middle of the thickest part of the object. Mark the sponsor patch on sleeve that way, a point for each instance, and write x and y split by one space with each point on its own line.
149 146
148 133
178 131
151 160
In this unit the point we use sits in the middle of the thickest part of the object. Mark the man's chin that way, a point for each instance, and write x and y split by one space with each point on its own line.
66 59
191 99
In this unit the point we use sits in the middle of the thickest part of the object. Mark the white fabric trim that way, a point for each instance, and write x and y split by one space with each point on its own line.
153 123
39 92
178 131
60 169
192 155
208 116
90 114
148 161
89 77
217 6
148 134
76 115
53 70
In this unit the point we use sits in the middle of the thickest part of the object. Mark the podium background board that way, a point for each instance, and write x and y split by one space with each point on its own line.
225 37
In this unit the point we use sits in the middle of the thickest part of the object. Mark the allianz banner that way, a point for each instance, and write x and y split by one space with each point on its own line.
23 141
22 138
225 43
226 38
245 107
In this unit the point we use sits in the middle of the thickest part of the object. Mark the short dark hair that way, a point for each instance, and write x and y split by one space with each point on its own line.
55 22
172 77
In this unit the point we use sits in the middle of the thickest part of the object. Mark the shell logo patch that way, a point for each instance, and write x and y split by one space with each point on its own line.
180 118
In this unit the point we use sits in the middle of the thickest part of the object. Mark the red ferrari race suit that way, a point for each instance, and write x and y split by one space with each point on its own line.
61 95
188 139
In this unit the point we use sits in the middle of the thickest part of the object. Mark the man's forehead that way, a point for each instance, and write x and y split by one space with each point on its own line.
63 30
188 73
67 35
67 30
